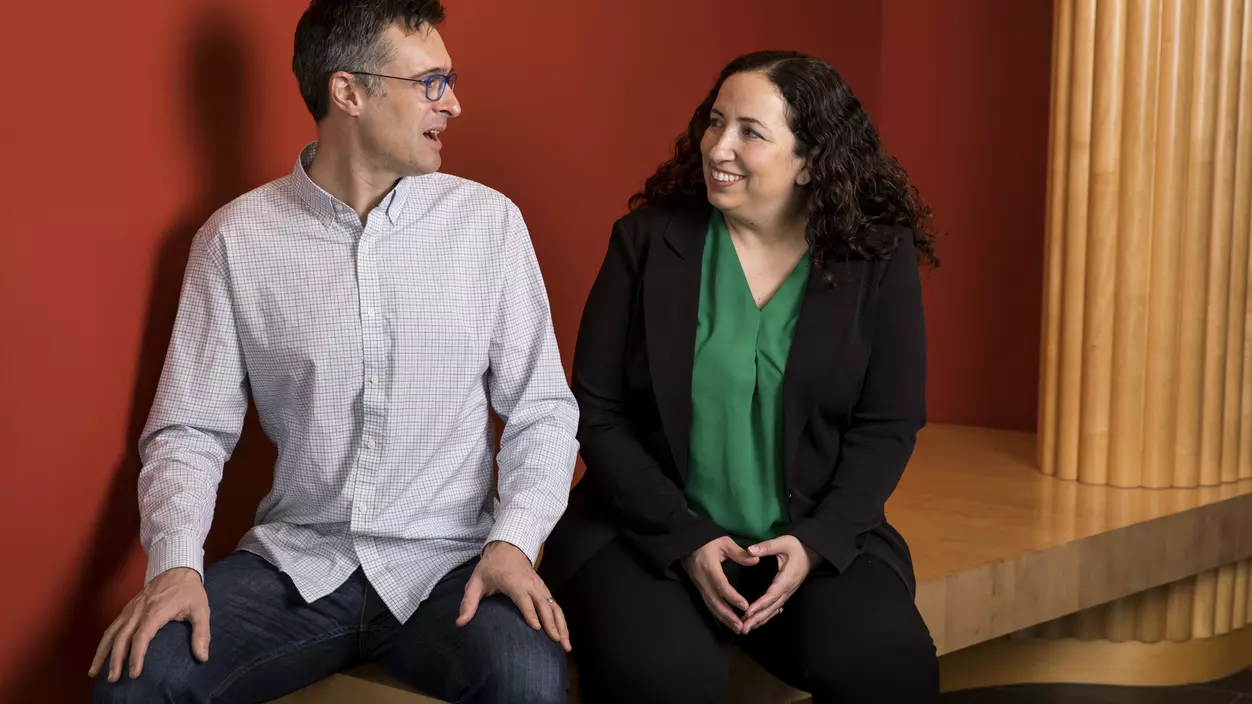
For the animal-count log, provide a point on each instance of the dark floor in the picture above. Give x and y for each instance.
(1236, 688)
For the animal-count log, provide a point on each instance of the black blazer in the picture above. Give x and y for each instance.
(853, 401)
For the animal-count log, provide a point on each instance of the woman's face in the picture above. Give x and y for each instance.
(750, 165)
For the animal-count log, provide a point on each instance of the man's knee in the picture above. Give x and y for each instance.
(168, 673)
(519, 664)
(150, 686)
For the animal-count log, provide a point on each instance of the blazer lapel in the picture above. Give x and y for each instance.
(827, 319)
(671, 300)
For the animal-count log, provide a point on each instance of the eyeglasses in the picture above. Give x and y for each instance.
(438, 82)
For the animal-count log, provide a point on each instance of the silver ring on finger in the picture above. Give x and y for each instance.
(550, 600)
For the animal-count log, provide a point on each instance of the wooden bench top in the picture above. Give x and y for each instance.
(997, 547)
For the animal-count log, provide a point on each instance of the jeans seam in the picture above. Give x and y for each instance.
(361, 629)
(249, 667)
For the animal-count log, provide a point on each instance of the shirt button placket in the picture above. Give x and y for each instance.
(374, 349)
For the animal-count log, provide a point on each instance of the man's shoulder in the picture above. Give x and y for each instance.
(474, 198)
(252, 211)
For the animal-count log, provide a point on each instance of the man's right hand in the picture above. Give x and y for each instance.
(173, 595)
(704, 566)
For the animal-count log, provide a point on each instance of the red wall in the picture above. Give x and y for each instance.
(964, 106)
(129, 123)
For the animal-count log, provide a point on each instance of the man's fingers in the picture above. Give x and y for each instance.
(527, 606)
(469, 602)
(144, 633)
(561, 626)
(106, 643)
(544, 609)
(200, 635)
(121, 644)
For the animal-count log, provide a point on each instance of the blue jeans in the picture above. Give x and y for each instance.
(268, 642)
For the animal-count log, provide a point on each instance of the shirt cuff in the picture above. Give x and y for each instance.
(519, 529)
(176, 550)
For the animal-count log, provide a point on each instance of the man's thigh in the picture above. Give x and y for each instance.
(265, 641)
(497, 657)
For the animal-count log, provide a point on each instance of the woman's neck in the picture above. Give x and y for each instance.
(785, 230)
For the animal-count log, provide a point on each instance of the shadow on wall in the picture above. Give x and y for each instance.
(216, 73)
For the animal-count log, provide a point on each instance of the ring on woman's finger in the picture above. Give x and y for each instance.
(550, 600)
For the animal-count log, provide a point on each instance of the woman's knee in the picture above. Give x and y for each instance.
(889, 664)
(662, 673)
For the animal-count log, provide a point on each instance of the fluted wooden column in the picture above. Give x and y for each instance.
(1146, 375)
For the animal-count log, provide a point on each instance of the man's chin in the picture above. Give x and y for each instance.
(424, 167)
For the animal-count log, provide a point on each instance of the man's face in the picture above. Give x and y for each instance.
(400, 127)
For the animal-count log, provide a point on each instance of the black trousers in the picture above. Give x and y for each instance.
(851, 637)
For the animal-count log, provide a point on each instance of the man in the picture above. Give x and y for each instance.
(372, 307)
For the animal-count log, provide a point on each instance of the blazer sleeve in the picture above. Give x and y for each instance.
(882, 431)
(650, 506)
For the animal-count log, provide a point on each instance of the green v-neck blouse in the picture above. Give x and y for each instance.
(734, 463)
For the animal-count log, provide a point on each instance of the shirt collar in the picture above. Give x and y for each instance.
(326, 207)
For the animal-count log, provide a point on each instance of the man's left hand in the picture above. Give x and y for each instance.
(795, 561)
(504, 569)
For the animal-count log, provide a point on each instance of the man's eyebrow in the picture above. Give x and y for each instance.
(432, 71)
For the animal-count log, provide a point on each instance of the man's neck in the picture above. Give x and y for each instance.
(349, 176)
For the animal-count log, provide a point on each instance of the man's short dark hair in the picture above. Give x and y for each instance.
(346, 35)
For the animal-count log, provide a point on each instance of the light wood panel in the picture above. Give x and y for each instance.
(999, 547)
(1009, 661)
(1146, 263)
(1214, 602)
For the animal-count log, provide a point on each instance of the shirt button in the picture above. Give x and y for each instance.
(374, 380)
(370, 312)
(369, 442)
(327, 221)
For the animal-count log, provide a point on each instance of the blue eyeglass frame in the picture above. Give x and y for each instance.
(445, 81)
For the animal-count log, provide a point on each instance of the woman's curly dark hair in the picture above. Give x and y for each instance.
(855, 183)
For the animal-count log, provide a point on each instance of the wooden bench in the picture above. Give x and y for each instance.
(997, 548)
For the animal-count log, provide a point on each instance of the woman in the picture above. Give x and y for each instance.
(751, 376)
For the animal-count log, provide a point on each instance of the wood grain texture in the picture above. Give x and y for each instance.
(1147, 258)
(999, 547)
(1013, 661)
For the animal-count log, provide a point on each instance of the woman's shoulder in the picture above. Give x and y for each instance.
(642, 226)
(885, 241)
(656, 218)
